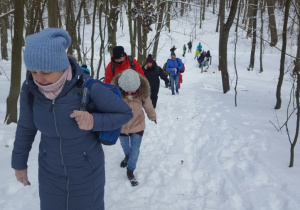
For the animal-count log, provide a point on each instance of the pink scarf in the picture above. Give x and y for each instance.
(53, 90)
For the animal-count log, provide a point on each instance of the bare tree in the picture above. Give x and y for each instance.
(223, 41)
(3, 29)
(159, 28)
(272, 22)
(52, 13)
(283, 51)
(112, 21)
(16, 64)
(254, 26)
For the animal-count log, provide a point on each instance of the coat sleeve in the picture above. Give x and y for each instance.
(108, 74)
(138, 67)
(26, 131)
(113, 112)
(162, 75)
(149, 109)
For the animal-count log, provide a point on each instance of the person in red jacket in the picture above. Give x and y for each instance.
(120, 61)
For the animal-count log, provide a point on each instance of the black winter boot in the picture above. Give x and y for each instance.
(124, 162)
(131, 178)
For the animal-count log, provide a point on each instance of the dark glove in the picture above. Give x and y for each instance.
(155, 121)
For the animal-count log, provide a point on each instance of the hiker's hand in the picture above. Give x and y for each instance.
(84, 119)
(21, 176)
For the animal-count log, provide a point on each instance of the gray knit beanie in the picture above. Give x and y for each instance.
(129, 80)
(46, 50)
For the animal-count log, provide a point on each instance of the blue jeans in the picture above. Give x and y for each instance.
(131, 147)
(174, 79)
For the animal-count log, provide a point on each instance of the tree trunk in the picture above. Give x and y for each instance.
(92, 38)
(254, 25)
(203, 9)
(101, 8)
(250, 15)
(130, 28)
(282, 59)
(16, 64)
(112, 21)
(52, 14)
(3, 31)
(262, 11)
(159, 28)
(272, 22)
(223, 40)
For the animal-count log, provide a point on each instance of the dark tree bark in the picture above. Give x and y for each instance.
(254, 26)
(3, 30)
(159, 28)
(52, 13)
(272, 22)
(16, 64)
(282, 59)
(223, 41)
(112, 21)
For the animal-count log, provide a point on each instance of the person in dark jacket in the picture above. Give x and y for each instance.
(153, 72)
(71, 159)
(190, 45)
(172, 50)
(173, 66)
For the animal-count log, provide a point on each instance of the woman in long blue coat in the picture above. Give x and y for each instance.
(71, 159)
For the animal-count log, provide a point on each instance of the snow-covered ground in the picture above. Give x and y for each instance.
(204, 153)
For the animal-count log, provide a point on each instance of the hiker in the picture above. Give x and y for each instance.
(201, 59)
(199, 47)
(172, 50)
(71, 159)
(197, 53)
(120, 61)
(135, 91)
(184, 50)
(190, 46)
(153, 72)
(173, 66)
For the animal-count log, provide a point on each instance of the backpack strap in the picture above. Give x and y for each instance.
(86, 89)
(132, 66)
(113, 68)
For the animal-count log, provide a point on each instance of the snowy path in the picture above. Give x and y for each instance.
(196, 159)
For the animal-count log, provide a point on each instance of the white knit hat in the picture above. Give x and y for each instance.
(129, 80)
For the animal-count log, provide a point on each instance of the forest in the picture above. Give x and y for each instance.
(255, 17)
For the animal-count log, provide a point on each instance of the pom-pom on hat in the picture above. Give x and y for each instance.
(149, 59)
(46, 50)
(129, 80)
(118, 52)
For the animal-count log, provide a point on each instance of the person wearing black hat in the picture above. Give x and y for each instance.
(153, 72)
(120, 61)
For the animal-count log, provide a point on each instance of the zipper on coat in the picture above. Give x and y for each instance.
(61, 154)
(87, 158)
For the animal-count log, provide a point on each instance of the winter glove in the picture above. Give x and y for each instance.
(84, 119)
(21, 176)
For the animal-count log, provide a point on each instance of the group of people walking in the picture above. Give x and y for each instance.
(71, 159)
